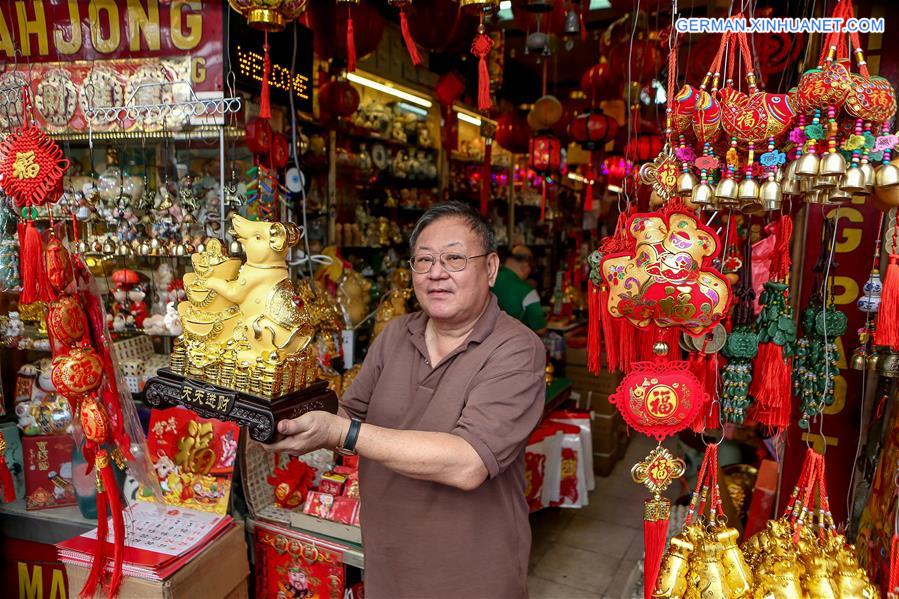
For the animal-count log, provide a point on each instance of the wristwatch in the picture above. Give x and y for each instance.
(349, 443)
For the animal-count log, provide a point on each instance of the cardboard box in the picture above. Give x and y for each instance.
(48, 471)
(219, 572)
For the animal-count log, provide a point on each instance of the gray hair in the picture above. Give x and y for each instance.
(478, 225)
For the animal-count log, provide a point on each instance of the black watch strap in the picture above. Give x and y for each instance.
(352, 435)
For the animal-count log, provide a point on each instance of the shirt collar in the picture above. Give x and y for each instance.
(482, 328)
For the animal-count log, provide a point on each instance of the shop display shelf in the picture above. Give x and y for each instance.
(42, 526)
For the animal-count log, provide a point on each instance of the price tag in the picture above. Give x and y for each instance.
(707, 163)
(348, 342)
(773, 158)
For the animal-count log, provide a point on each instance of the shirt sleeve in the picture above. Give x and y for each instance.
(506, 404)
(533, 312)
(355, 399)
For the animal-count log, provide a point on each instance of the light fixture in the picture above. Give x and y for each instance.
(467, 118)
(613, 188)
(581, 178)
(413, 109)
(388, 89)
(505, 5)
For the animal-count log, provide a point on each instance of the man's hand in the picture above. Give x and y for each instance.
(311, 431)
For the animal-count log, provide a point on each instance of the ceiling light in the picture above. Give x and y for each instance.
(614, 189)
(467, 118)
(389, 89)
(413, 109)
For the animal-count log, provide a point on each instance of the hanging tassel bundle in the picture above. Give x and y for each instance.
(350, 42)
(402, 6)
(594, 328)
(893, 584)
(31, 251)
(265, 107)
(481, 47)
(887, 332)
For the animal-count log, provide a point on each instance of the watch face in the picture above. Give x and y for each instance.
(56, 99)
(101, 88)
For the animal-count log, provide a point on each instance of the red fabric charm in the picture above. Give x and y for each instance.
(31, 166)
(659, 399)
(265, 107)
(407, 37)
(481, 47)
(58, 267)
(291, 483)
(668, 279)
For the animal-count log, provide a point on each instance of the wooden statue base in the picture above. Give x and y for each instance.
(259, 414)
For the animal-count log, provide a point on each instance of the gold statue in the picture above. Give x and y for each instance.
(395, 303)
(247, 326)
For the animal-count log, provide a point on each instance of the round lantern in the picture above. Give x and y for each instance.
(598, 83)
(546, 112)
(259, 136)
(422, 16)
(328, 20)
(645, 60)
(644, 148)
(545, 153)
(512, 132)
(338, 98)
(593, 129)
(269, 15)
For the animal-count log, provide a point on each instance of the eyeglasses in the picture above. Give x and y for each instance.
(450, 261)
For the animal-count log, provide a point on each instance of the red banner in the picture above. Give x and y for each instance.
(856, 231)
(97, 30)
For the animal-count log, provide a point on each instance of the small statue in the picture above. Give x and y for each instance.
(394, 304)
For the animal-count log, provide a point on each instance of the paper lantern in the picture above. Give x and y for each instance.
(593, 129)
(269, 15)
(668, 280)
(598, 83)
(259, 136)
(328, 21)
(512, 132)
(338, 98)
(644, 148)
(545, 154)
(546, 112)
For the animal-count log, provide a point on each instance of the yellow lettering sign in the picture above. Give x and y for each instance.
(143, 24)
(110, 44)
(845, 290)
(72, 45)
(29, 27)
(839, 396)
(5, 38)
(198, 69)
(186, 25)
(31, 587)
(57, 585)
(851, 236)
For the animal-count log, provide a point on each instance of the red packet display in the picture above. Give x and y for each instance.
(318, 504)
(344, 510)
(572, 479)
(351, 489)
(580, 419)
(534, 472)
(332, 483)
(288, 566)
(193, 458)
(48, 471)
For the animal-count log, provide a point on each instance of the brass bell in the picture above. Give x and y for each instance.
(790, 172)
(234, 248)
(108, 247)
(887, 365)
(179, 250)
(144, 249)
(859, 359)
(838, 195)
(123, 250)
(813, 196)
(748, 190)
(868, 170)
(825, 183)
(685, 184)
(791, 186)
(807, 165)
(702, 195)
(853, 181)
(886, 175)
(81, 247)
(832, 165)
(726, 192)
(201, 248)
(771, 196)
(871, 361)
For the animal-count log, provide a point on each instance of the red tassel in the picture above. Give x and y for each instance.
(655, 533)
(607, 322)
(588, 195)
(98, 565)
(350, 43)
(594, 332)
(580, 18)
(771, 387)
(893, 587)
(265, 107)
(31, 250)
(627, 342)
(481, 47)
(118, 526)
(485, 176)
(543, 203)
(407, 37)
(887, 332)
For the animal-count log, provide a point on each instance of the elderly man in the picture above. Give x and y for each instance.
(440, 415)
(515, 295)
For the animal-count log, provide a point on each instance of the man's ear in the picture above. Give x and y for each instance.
(492, 267)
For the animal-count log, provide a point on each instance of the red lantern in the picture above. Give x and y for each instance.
(645, 60)
(593, 129)
(338, 99)
(449, 88)
(644, 148)
(598, 83)
(545, 153)
(328, 20)
(512, 132)
(259, 136)
(423, 14)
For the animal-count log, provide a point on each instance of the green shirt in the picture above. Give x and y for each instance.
(518, 299)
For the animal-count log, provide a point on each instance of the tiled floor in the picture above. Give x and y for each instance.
(591, 552)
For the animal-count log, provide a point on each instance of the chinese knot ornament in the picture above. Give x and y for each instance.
(668, 279)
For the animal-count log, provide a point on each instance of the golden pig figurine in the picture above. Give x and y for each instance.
(779, 578)
(818, 580)
(737, 573)
(706, 579)
(672, 579)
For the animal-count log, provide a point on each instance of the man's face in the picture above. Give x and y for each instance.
(453, 297)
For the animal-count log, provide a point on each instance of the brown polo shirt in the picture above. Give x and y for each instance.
(425, 539)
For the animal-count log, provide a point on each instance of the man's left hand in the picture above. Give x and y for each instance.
(311, 431)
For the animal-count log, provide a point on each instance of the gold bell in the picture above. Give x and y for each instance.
(702, 195)
(771, 195)
(144, 249)
(726, 192)
(807, 165)
(886, 175)
(234, 248)
(791, 186)
(859, 359)
(887, 365)
(748, 190)
(825, 183)
(813, 196)
(838, 195)
(853, 181)
(832, 165)
(868, 171)
(108, 247)
(685, 184)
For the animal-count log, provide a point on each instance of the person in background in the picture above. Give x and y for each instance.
(516, 297)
